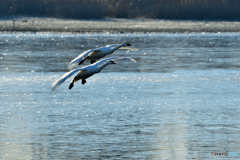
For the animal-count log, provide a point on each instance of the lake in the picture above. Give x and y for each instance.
(179, 101)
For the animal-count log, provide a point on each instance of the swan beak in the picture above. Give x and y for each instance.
(128, 44)
(113, 62)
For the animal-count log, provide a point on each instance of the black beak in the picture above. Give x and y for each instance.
(129, 44)
(113, 62)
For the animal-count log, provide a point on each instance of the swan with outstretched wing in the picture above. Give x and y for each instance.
(86, 72)
(95, 54)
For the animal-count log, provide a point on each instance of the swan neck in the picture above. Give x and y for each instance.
(119, 46)
(104, 65)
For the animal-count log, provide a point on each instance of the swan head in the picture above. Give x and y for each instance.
(112, 62)
(126, 44)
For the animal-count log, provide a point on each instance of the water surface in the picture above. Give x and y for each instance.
(180, 101)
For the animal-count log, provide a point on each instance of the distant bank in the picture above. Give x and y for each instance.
(113, 25)
(98, 9)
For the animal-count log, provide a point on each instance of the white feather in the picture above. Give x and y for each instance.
(67, 75)
(102, 52)
(106, 60)
(90, 69)
(78, 59)
(129, 48)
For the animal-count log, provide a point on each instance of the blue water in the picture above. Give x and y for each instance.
(180, 101)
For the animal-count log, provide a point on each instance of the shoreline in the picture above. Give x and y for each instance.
(114, 25)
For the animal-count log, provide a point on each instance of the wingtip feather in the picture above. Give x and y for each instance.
(133, 60)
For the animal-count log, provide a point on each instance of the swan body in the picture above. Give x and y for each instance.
(95, 54)
(86, 72)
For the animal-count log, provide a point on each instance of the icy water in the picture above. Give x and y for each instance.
(180, 101)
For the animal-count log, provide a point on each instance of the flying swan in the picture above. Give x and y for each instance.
(95, 54)
(86, 72)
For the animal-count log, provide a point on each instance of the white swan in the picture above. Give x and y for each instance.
(86, 72)
(95, 54)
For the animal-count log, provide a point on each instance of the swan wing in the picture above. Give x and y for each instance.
(94, 53)
(112, 45)
(78, 59)
(120, 58)
(129, 48)
(67, 75)
(104, 61)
